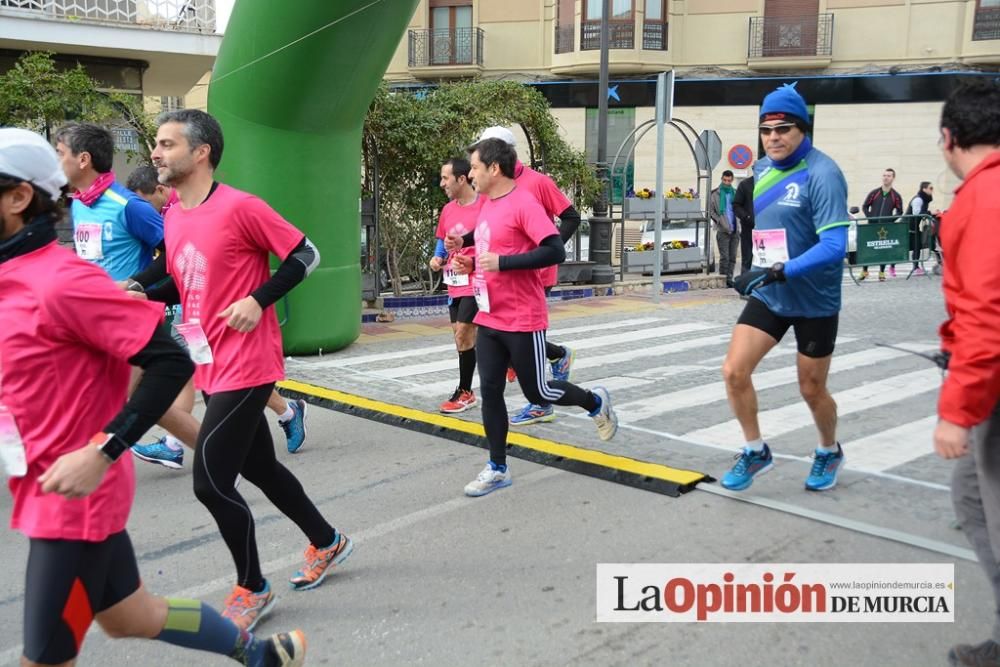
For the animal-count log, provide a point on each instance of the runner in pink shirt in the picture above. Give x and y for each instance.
(556, 205)
(67, 337)
(514, 238)
(217, 250)
(181, 426)
(459, 216)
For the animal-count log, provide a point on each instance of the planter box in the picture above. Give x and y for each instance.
(683, 259)
(672, 208)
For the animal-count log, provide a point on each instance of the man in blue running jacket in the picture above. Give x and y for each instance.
(799, 241)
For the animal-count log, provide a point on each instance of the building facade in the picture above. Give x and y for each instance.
(158, 49)
(875, 72)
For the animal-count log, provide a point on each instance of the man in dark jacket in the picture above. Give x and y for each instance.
(883, 202)
(743, 208)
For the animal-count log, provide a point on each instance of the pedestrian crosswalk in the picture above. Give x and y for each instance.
(665, 377)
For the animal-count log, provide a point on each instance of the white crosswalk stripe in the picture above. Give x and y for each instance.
(791, 417)
(666, 378)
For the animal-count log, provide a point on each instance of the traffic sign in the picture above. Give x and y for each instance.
(740, 156)
(709, 138)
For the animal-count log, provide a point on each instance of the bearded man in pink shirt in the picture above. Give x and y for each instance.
(217, 252)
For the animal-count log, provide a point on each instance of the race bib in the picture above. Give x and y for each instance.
(453, 279)
(88, 241)
(481, 293)
(197, 342)
(769, 246)
(15, 463)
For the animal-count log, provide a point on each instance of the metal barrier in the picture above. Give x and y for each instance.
(893, 240)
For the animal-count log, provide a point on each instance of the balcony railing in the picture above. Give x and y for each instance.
(986, 24)
(183, 15)
(453, 46)
(654, 36)
(564, 38)
(791, 36)
(621, 35)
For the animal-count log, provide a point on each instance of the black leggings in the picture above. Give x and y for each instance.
(234, 438)
(524, 351)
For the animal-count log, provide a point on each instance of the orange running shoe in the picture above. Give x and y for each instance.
(245, 608)
(460, 401)
(511, 375)
(319, 563)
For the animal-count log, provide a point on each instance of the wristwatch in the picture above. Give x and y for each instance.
(109, 445)
(779, 271)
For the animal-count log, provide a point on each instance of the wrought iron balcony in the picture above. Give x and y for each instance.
(790, 36)
(986, 25)
(654, 36)
(454, 46)
(182, 15)
(564, 38)
(621, 35)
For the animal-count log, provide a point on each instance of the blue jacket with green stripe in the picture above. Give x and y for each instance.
(130, 230)
(803, 200)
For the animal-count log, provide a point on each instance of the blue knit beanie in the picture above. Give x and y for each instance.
(785, 103)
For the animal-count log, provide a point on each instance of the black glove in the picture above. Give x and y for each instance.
(750, 280)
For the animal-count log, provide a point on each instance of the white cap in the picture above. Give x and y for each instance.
(501, 133)
(27, 156)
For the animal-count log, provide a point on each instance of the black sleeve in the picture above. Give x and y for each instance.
(469, 240)
(155, 272)
(569, 222)
(866, 208)
(166, 368)
(290, 273)
(549, 252)
(165, 292)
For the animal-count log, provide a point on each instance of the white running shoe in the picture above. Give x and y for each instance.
(606, 419)
(489, 480)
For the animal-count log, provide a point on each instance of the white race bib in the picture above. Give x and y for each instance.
(769, 246)
(197, 341)
(88, 240)
(481, 293)
(15, 463)
(453, 279)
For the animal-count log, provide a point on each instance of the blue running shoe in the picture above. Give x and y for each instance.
(158, 452)
(295, 428)
(533, 414)
(561, 368)
(748, 465)
(824, 471)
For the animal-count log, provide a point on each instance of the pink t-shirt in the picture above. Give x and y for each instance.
(552, 200)
(66, 332)
(458, 219)
(217, 253)
(510, 225)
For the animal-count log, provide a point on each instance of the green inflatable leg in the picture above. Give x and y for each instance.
(291, 86)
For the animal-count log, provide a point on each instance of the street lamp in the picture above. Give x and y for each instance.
(600, 223)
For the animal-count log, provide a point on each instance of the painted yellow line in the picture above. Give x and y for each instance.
(622, 463)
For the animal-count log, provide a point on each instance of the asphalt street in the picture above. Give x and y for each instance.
(509, 579)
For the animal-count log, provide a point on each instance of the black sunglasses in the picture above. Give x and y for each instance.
(782, 129)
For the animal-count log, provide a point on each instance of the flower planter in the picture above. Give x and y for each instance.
(672, 207)
(682, 259)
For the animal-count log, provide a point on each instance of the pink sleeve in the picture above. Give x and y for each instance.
(535, 222)
(551, 197)
(88, 307)
(266, 229)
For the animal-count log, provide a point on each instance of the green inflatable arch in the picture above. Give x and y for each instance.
(291, 86)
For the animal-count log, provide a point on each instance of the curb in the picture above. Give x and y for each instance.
(437, 304)
(653, 477)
